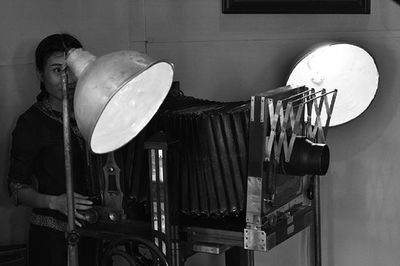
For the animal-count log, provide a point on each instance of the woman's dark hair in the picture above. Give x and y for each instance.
(47, 47)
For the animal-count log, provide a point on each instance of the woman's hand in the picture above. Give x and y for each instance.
(82, 203)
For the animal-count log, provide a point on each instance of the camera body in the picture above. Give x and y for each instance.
(107, 205)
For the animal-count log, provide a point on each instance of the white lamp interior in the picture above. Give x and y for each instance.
(131, 108)
(345, 67)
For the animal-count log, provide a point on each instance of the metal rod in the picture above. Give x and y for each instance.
(299, 94)
(317, 221)
(304, 94)
(72, 247)
(328, 119)
(312, 99)
(315, 96)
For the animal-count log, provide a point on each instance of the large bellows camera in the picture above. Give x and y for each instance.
(238, 170)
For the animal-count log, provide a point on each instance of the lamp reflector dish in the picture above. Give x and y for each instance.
(131, 108)
(345, 67)
(116, 95)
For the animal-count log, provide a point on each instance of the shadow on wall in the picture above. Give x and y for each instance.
(19, 88)
(339, 193)
(354, 163)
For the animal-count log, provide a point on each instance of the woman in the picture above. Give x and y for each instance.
(37, 172)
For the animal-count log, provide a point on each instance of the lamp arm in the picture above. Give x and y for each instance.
(78, 60)
(72, 236)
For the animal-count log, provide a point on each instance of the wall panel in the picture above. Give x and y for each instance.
(230, 57)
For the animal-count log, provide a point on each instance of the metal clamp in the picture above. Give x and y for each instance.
(255, 239)
(72, 238)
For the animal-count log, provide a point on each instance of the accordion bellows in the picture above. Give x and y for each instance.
(209, 162)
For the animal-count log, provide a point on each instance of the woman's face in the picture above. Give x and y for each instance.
(52, 78)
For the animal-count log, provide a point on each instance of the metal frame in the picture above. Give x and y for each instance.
(165, 233)
(296, 7)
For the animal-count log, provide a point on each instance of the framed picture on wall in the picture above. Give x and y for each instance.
(296, 6)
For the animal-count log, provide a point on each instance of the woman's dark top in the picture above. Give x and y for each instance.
(37, 159)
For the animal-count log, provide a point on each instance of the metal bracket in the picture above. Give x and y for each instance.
(255, 239)
(113, 195)
(254, 202)
(209, 248)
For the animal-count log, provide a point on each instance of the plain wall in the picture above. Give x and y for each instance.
(230, 57)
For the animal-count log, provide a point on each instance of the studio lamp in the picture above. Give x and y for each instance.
(351, 71)
(115, 97)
